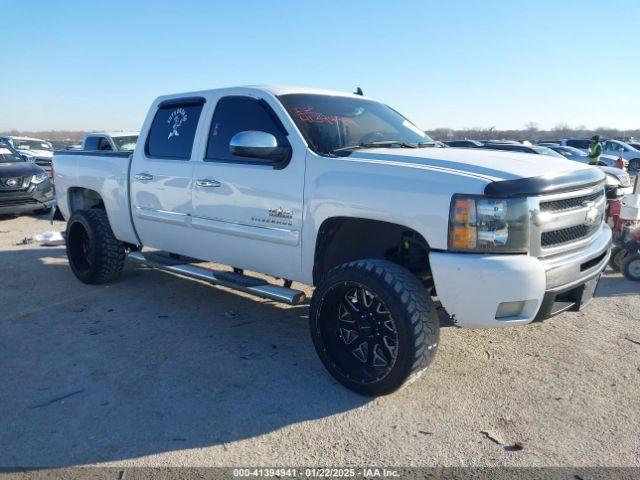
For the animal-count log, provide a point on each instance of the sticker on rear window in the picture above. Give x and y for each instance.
(177, 118)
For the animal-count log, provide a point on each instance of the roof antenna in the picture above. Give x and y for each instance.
(358, 91)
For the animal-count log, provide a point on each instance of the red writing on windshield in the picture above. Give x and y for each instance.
(308, 115)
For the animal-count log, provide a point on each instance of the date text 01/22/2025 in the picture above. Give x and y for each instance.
(316, 472)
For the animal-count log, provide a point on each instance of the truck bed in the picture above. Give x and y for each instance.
(79, 173)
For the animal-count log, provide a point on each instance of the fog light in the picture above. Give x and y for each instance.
(509, 309)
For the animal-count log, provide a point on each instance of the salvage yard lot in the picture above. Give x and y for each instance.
(157, 370)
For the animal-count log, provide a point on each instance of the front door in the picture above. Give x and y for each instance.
(161, 176)
(247, 212)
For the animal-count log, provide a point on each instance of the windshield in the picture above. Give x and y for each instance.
(546, 151)
(571, 151)
(31, 145)
(6, 155)
(331, 122)
(125, 143)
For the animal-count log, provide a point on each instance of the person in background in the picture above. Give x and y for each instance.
(595, 150)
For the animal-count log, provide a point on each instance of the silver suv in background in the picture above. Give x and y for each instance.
(612, 150)
(617, 182)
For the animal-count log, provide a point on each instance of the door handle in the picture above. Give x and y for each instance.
(143, 177)
(206, 183)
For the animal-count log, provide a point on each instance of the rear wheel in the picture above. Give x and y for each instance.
(94, 254)
(631, 267)
(373, 325)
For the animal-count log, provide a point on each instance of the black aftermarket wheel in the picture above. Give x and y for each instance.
(94, 254)
(373, 325)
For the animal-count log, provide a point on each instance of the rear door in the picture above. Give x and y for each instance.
(161, 175)
(247, 212)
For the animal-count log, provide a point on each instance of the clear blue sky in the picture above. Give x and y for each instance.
(97, 65)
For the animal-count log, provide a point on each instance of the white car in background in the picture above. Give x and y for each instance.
(610, 159)
(33, 149)
(624, 150)
(111, 141)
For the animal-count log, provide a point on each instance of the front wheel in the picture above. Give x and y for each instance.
(631, 267)
(373, 325)
(94, 253)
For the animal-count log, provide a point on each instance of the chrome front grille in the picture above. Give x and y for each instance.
(567, 235)
(569, 203)
(567, 221)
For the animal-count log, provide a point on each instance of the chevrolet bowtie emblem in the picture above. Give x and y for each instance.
(592, 215)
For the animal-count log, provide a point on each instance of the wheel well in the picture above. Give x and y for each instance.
(84, 199)
(341, 240)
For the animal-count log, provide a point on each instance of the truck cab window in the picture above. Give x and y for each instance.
(239, 114)
(91, 143)
(172, 132)
(104, 145)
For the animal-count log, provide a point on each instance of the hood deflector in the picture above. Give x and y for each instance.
(532, 186)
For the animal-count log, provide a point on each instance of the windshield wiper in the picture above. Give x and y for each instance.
(385, 143)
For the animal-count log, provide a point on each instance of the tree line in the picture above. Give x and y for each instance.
(531, 132)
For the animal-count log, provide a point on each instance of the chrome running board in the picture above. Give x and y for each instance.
(236, 281)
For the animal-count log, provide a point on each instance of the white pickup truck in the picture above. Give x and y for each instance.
(343, 193)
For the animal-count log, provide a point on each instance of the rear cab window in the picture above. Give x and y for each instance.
(91, 143)
(173, 129)
(104, 145)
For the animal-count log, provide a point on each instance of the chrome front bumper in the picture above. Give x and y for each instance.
(471, 287)
(572, 268)
(571, 279)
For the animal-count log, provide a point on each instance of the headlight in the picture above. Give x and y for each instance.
(483, 224)
(611, 180)
(39, 178)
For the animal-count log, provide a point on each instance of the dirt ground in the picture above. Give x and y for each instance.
(157, 370)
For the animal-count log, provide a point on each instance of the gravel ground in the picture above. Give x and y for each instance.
(156, 370)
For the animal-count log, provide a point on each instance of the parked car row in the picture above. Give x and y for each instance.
(24, 185)
(613, 149)
(26, 170)
(34, 150)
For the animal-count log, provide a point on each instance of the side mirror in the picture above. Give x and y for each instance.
(255, 144)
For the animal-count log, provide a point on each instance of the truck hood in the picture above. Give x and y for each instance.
(491, 165)
(19, 169)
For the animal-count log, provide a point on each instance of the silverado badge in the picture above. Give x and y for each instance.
(280, 213)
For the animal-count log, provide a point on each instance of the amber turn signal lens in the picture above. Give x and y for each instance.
(464, 237)
(464, 211)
